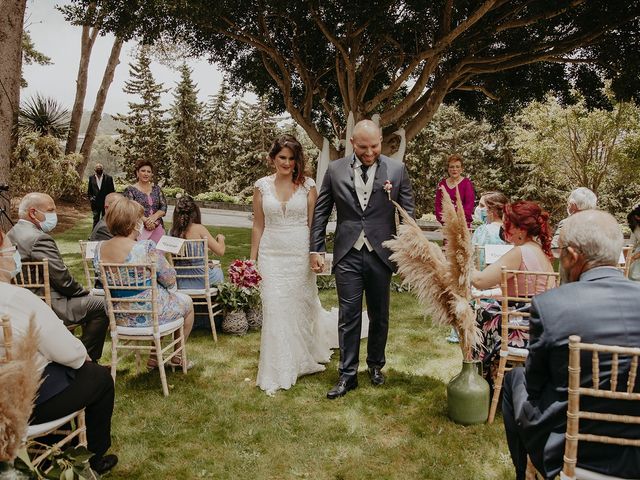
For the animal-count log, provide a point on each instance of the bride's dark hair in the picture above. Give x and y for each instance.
(185, 213)
(289, 141)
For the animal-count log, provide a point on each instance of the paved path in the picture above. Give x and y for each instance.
(233, 218)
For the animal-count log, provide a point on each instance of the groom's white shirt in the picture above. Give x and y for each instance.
(363, 191)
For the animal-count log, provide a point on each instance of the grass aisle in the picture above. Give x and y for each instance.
(216, 424)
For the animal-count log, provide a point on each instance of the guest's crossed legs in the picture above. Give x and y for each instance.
(361, 272)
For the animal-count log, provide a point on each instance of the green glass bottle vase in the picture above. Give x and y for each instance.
(468, 396)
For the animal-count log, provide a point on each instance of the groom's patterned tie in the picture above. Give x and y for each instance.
(364, 169)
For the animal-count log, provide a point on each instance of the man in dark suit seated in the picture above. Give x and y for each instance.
(100, 185)
(599, 304)
(69, 300)
(100, 230)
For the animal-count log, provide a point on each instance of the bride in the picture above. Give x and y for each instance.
(297, 333)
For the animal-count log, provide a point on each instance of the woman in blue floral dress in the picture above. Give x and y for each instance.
(124, 220)
(150, 196)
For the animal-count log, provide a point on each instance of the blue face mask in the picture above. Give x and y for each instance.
(17, 260)
(50, 221)
(481, 214)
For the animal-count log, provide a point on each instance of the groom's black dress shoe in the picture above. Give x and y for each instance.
(377, 378)
(342, 387)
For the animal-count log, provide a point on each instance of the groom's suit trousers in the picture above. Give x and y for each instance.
(357, 273)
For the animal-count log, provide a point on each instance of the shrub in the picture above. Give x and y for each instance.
(171, 192)
(218, 197)
(39, 165)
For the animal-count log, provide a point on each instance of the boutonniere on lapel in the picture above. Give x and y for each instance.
(387, 187)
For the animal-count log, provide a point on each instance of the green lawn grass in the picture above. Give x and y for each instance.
(217, 424)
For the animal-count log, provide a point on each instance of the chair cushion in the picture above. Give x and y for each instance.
(147, 331)
(519, 352)
(97, 292)
(40, 429)
(198, 291)
(582, 474)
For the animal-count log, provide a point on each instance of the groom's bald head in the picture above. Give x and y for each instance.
(367, 141)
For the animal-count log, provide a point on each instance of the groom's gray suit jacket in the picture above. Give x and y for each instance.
(377, 219)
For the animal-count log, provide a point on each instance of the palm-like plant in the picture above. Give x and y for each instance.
(44, 116)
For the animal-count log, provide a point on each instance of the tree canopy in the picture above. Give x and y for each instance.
(321, 59)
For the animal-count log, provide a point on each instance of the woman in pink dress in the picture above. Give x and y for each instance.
(465, 187)
(150, 196)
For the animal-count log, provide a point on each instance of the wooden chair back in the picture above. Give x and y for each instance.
(631, 258)
(193, 255)
(90, 274)
(515, 303)
(35, 277)
(122, 283)
(621, 359)
(7, 339)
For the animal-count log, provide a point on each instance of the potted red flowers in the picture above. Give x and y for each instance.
(239, 295)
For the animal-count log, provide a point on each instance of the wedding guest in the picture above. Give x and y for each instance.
(100, 185)
(465, 187)
(69, 299)
(70, 380)
(124, 220)
(579, 199)
(150, 196)
(526, 227)
(596, 302)
(187, 224)
(100, 230)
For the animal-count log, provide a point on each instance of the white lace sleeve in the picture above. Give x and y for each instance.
(309, 183)
(261, 184)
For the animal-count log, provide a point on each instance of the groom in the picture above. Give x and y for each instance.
(366, 218)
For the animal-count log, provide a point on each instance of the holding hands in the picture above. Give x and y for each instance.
(317, 262)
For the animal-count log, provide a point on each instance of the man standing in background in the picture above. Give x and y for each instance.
(100, 185)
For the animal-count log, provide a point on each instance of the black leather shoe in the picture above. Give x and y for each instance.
(342, 387)
(377, 378)
(102, 465)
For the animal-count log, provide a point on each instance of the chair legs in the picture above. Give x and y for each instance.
(114, 356)
(212, 319)
(163, 373)
(497, 389)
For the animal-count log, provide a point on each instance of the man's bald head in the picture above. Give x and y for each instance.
(367, 141)
(112, 198)
(35, 200)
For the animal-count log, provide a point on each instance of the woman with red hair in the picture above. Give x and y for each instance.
(526, 227)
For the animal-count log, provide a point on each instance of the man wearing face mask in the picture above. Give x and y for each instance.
(100, 185)
(599, 304)
(69, 299)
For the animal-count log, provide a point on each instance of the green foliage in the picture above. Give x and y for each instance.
(218, 197)
(565, 147)
(31, 55)
(39, 165)
(144, 131)
(231, 298)
(172, 192)
(44, 116)
(186, 145)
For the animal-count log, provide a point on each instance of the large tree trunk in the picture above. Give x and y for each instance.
(89, 35)
(11, 24)
(101, 97)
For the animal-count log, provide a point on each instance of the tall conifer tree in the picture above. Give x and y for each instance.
(186, 147)
(145, 129)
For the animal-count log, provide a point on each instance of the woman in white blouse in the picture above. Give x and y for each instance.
(71, 381)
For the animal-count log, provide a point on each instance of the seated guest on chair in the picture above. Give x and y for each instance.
(579, 199)
(596, 302)
(71, 381)
(125, 222)
(100, 230)
(187, 224)
(526, 227)
(70, 301)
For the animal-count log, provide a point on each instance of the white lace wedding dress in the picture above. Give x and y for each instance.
(297, 333)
